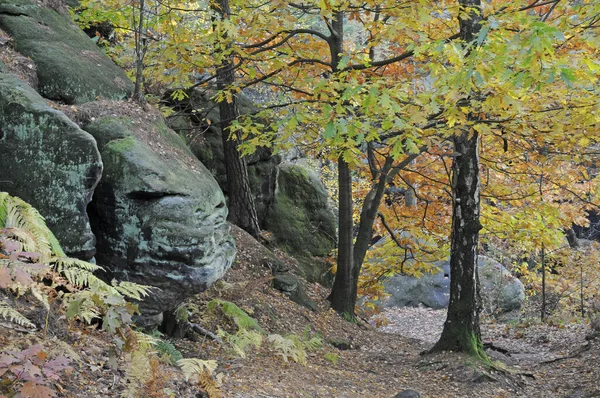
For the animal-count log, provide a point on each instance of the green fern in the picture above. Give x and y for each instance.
(24, 222)
(295, 347)
(236, 314)
(62, 264)
(132, 290)
(168, 352)
(137, 373)
(242, 341)
(288, 348)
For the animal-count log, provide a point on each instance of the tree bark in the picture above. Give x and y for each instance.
(343, 293)
(242, 211)
(461, 330)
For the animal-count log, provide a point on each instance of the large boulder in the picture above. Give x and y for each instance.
(158, 214)
(70, 66)
(48, 161)
(500, 291)
(302, 220)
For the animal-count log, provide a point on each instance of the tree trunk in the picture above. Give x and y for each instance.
(461, 330)
(140, 53)
(242, 211)
(343, 294)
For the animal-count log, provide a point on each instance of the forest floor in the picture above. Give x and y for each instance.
(531, 359)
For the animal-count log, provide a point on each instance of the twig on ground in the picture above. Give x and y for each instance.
(204, 332)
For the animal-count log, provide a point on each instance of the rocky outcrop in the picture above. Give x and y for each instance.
(290, 199)
(47, 160)
(302, 220)
(70, 67)
(500, 290)
(158, 214)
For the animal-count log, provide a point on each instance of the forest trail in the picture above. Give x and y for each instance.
(550, 360)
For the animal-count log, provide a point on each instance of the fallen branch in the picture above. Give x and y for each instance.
(578, 352)
(204, 332)
(491, 346)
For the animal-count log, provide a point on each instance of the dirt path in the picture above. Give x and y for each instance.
(553, 360)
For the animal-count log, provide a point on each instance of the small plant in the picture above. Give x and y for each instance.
(295, 347)
(201, 372)
(168, 352)
(241, 319)
(29, 253)
(33, 263)
(242, 341)
(332, 357)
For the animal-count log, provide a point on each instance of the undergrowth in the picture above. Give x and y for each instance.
(34, 267)
(249, 335)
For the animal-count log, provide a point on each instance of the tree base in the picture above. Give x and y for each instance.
(462, 340)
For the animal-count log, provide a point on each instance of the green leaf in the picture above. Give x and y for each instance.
(330, 130)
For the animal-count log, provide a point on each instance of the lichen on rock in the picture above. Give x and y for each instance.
(48, 161)
(158, 214)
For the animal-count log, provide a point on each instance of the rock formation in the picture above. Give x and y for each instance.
(157, 212)
(500, 290)
(48, 161)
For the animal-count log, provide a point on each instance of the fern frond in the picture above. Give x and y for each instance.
(24, 237)
(236, 314)
(21, 215)
(84, 278)
(146, 341)
(288, 348)
(168, 352)
(15, 316)
(192, 367)
(314, 343)
(132, 290)
(137, 373)
(242, 340)
(63, 263)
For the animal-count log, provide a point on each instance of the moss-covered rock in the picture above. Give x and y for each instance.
(70, 67)
(48, 161)
(302, 220)
(293, 288)
(158, 214)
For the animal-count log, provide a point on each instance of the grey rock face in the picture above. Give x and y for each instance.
(70, 66)
(47, 160)
(290, 199)
(500, 291)
(158, 214)
(292, 287)
(302, 220)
